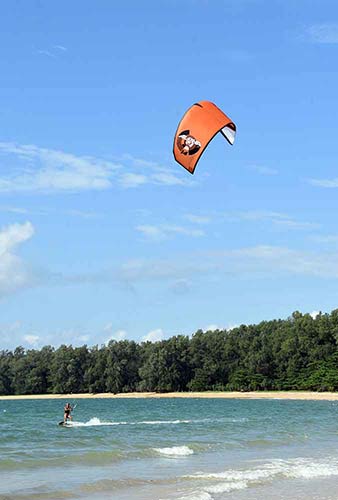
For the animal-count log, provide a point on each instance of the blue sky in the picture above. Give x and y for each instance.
(102, 234)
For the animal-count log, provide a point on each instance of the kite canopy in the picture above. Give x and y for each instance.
(197, 128)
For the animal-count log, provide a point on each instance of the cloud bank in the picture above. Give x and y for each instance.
(40, 170)
(14, 273)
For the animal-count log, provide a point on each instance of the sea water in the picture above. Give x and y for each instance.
(169, 449)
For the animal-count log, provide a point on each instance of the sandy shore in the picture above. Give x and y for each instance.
(317, 396)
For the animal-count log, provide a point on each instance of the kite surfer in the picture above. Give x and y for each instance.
(67, 413)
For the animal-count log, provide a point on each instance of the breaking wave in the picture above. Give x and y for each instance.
(175, 451)
(232, 479)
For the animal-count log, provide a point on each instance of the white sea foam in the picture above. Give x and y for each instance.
(93, 422)
(196, 495)
(96, 422)
(233, 420)
(175, 451)
(159, 422)
(306, 469)
(227, 487)
(267, 471)
(232, 479)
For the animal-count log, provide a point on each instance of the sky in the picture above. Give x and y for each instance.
(102, 234)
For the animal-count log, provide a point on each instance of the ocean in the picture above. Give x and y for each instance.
(169, 449)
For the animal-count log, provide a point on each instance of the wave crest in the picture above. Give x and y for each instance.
(231, 479)
(175, 451)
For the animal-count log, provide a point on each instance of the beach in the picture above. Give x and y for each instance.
(293, 395)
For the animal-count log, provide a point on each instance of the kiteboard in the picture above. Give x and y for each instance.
(65, 424)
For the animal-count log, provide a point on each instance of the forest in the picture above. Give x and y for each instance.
(298, 353)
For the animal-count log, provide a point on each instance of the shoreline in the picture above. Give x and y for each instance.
(293, 395)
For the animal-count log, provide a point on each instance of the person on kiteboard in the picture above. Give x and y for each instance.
(67, 410)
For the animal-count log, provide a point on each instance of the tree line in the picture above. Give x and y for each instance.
(299, 353)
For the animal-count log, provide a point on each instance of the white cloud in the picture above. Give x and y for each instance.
(154, 336)
(314, 314)
(163, 231)
(181, 268)
(47, 170)
(182, 272)
(151, 172)
(68, 336)
(265, 258)
(32, 340)
(17, 333)
(212, 328)
(46, 53)
(130, 180)
(120, 335)
(60, 47)
(150, 231)
(324, 183)
(262, 170)
(13, 235)
(275, 218)
(84, 338)
(197, 219)
(262, 259)
(53, 52)
(34, 169)
(323, 33)
(231, 326)
(139, 162)
(114, 334)
(14, 274)
(178, 274)
(168, 179)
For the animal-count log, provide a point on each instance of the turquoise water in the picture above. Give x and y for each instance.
(164, 449)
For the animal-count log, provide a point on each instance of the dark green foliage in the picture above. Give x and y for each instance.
(68, 369)
(122, 365)
(6, 373)
(166, 365)
(299, 353)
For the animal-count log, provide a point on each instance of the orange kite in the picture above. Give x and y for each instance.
(197, 128)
